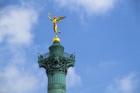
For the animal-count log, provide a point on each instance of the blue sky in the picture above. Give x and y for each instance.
(103, 34)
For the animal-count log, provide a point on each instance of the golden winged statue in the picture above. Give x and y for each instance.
(55, 20)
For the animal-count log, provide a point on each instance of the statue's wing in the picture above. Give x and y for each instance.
(60, 18)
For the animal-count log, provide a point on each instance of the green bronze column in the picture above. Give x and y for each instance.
(56, 63)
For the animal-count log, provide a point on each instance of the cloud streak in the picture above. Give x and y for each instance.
(126, 84)
(73, 79)
(88, 6)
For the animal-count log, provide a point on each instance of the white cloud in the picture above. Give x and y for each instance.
(19, 74)
(16, 25)
(16, 76)
(14, 80)
(89, 6)
(126, 84)
(73, 79)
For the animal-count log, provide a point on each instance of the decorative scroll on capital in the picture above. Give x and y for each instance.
(54, 64)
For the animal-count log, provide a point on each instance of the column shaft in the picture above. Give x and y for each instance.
(57, 83)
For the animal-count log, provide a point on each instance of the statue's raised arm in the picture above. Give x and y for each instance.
(50, 17)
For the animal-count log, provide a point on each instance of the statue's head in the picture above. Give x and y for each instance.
(54, 17)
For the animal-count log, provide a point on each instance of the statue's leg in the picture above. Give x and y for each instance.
(56, 28)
